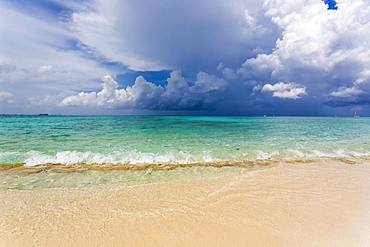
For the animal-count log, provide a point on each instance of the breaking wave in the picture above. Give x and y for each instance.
(68, 158)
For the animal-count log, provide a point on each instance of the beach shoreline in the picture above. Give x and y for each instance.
(326, 204)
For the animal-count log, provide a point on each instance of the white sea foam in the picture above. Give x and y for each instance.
(261, 155)
(34, 158)
(133, 157)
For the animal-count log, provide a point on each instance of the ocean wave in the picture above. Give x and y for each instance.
(35, 158)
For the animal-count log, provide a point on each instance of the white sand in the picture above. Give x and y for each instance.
(325, 204)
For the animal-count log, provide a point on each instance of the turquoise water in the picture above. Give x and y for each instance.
(75, 151)
(33, 140)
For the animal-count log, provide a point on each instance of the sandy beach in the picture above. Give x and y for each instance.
(318, 204)
(205, 123)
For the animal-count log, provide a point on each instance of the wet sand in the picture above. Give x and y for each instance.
(320, 204)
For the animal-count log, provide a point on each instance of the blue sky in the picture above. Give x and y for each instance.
(331, 4)
(248, 57)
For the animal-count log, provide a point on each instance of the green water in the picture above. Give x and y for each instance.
(69, 140)
(96, 150)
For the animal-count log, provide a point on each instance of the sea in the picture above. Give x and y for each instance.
(53, 151)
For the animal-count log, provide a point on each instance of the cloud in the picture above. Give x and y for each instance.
(327, 51)
(348, 96)
(7, 68)
(177, 94)
(46, 68)
(6, 97)
(189, 35)
(297, 46)
(285, 90)
(346, 92)
(37, 55)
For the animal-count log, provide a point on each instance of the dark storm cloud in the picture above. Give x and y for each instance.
(240, 56)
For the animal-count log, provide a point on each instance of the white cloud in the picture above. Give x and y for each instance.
(324, 52)
(319, 48)
(285, 90)
(177, 94)
(46, 68)
(33, 45)
(346, 92)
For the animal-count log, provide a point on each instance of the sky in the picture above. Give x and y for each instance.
(197, 57)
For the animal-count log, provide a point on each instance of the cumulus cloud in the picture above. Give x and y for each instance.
(347, 92)
(297, 46)
(285, 90)
(325, 50)
(176, 94)
(37, 57)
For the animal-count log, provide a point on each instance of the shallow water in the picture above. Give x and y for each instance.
(153, 139)
(79, 150)
(317, 204)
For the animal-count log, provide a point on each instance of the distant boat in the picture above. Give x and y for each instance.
(43, 114)
(355, 115)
